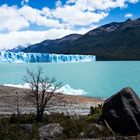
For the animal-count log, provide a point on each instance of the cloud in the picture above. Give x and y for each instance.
(35, 16)
(73, 13)
(62, 20)
(58, 3)
(70, 1)
(21, 18)
(74, 16)
(92, 5)
(24, 2)
(128, 15)
(15, 38)
(11, 19)
(133, 1)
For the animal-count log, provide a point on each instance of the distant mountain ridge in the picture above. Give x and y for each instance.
(17, 49)
(52, 45)
(113, 41)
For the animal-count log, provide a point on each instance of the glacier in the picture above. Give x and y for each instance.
(21, 57)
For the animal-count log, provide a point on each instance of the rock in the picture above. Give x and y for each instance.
(97, 126)
(118, 138)
(26, 127)
(94, 130)
(127, 138)
(82, 134)
(122, 112)
(94, 126)
(50, 132)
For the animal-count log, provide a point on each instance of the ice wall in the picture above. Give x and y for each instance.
(11, 57)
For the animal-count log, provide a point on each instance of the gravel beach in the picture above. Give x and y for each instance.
(71, 104)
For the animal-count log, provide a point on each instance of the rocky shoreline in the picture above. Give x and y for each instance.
(117, 119)
(71, 104)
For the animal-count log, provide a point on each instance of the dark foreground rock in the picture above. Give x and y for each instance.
(122, 112)
(26, 127)
(116, 138)
(50, 132)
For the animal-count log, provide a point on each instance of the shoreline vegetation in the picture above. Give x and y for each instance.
(73, 116)
(81, 118)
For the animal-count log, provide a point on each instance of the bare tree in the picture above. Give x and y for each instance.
(43, 91)
(16, 97)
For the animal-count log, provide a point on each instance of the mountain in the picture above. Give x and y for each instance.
(53, 45)
(19, 48)
(113, 41)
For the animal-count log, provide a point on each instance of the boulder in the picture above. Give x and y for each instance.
(94, 130)
(118, 138)
(50, 132)
(26, 127)
(122, 112)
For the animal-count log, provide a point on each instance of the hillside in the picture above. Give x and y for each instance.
(114, 41)
(53, 45)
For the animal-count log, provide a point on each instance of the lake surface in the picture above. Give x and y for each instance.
(95, 79)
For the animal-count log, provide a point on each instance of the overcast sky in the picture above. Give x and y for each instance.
(30, 21)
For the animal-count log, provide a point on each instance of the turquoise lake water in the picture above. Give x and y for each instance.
(95, 79)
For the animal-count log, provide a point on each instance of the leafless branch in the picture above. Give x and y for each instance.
(43, 91)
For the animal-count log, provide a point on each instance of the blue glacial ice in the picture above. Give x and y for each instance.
(21, 57)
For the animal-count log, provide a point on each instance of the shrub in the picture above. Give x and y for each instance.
(96, 110)
(22, 119)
